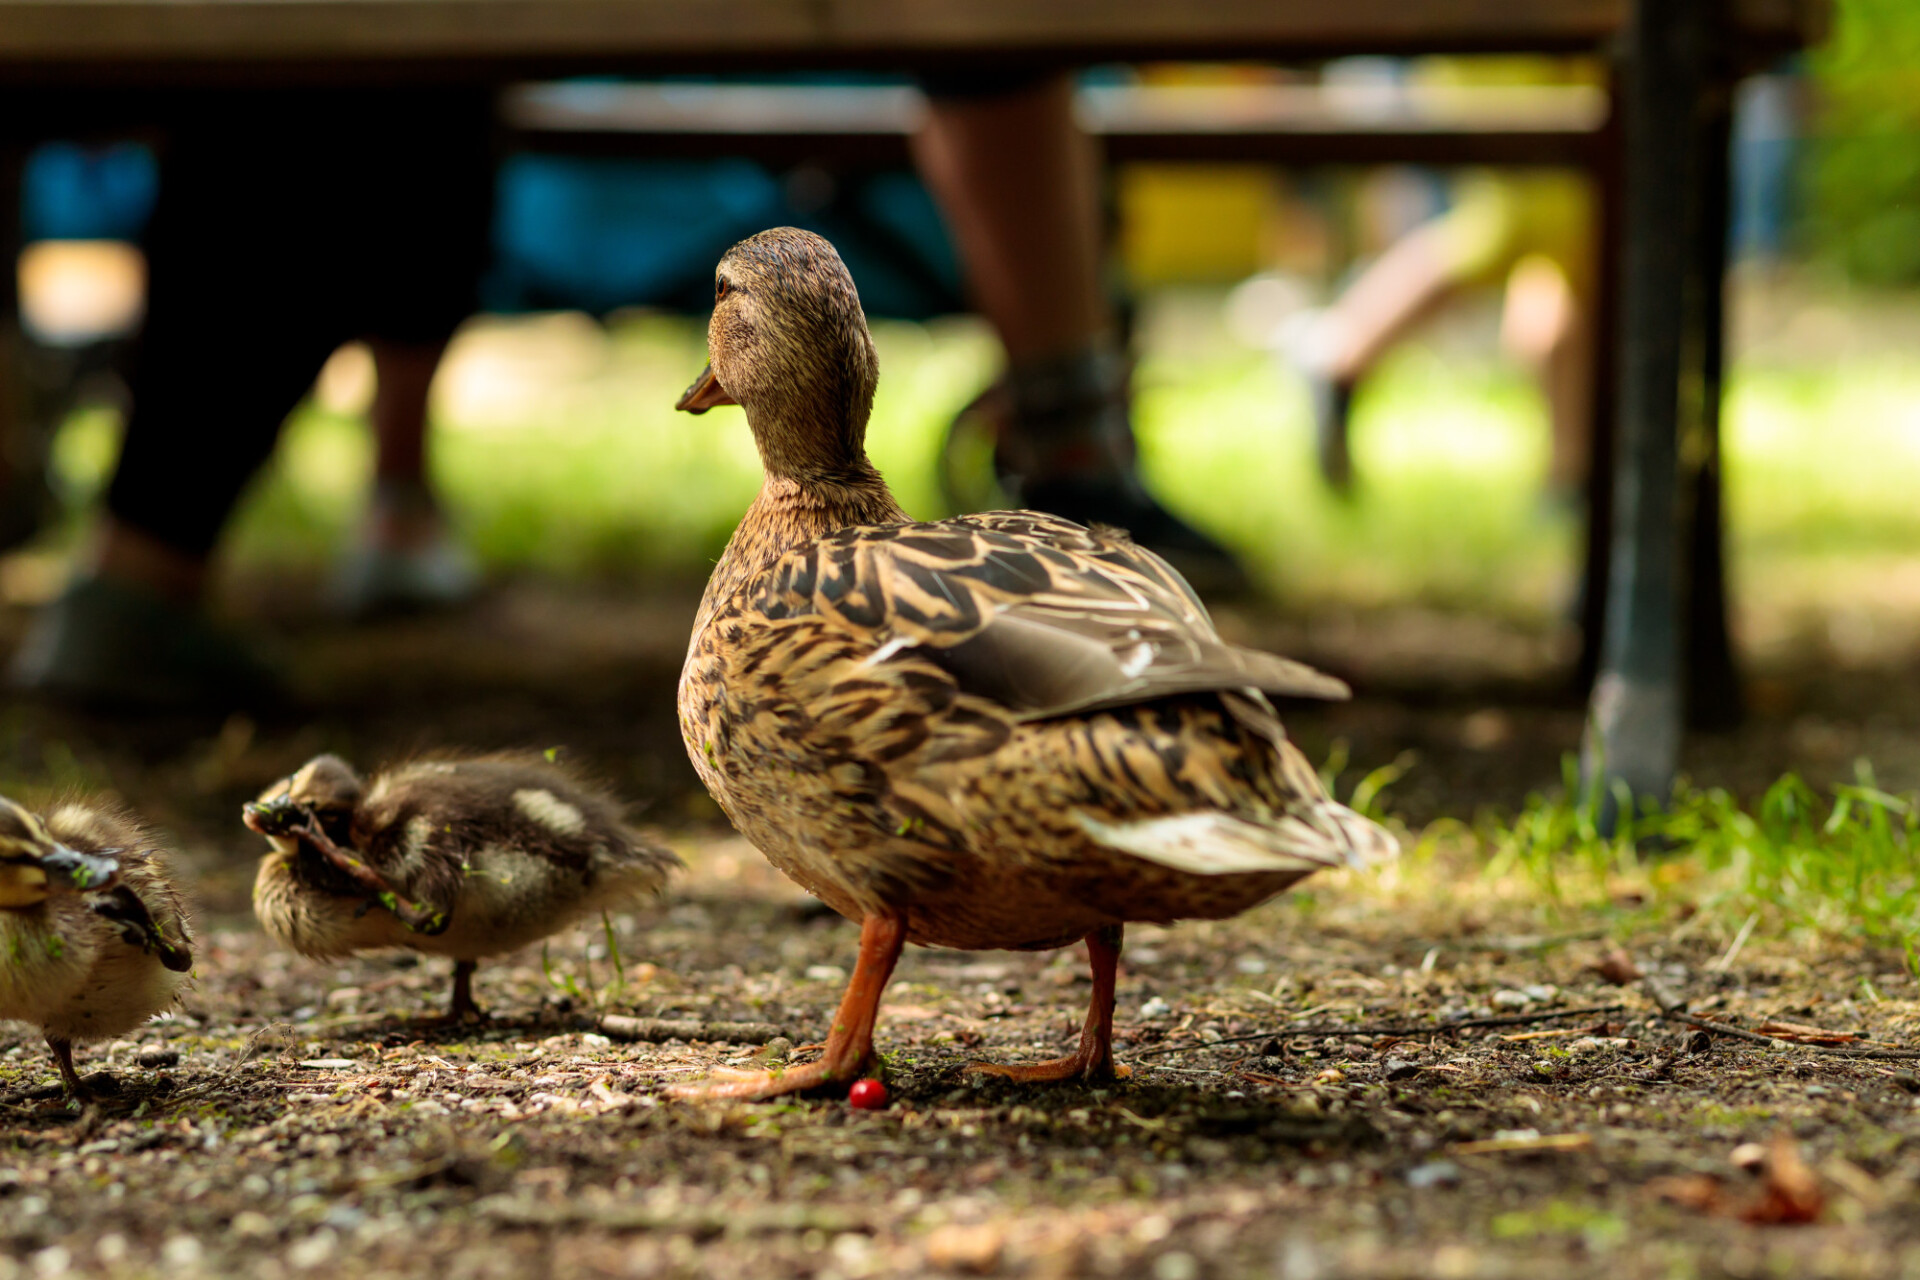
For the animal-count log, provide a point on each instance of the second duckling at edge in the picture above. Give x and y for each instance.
(93, 936)
(465, 858)
(999, 730)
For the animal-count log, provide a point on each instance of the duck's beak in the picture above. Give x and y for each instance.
(705, 393)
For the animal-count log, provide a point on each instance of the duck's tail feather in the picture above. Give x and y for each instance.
(1314, 835)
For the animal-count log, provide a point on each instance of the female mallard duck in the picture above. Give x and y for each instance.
(1000, 730)
(93, 936)
(462, 858)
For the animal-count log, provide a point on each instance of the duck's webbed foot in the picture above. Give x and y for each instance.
(1093, 1060)
(850, 1043)
(100, 1085)
(463, 1007)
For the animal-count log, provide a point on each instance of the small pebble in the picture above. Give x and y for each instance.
(1699, 1042)
(155, 1056)
(1434, 1173)
(1155, 1007)
(1176, 1266)
(1400, 1068)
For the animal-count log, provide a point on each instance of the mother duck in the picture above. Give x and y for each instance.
(997, 731)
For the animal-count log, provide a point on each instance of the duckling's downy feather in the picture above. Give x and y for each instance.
(501, 850)
(86, 964)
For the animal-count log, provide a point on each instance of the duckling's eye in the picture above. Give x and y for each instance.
(721, 288)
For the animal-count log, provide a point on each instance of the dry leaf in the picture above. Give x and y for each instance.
(1523, 1142)
(954, 1247)
(1700, 1192)
(1789, 1191)
(1804, 1034)
(1617, 967)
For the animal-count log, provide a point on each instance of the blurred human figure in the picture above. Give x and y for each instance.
(1018, 181)
(1529, 232)
(286, 224)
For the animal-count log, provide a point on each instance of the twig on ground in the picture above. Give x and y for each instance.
(1736, 1033)
(622, 1027)
(1441, 1028)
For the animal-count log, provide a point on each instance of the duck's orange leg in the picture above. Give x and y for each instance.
(849, 1044)
(1093, 1060)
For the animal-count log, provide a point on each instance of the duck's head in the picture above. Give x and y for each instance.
(789, 344)
(325, 790)
(34, 866)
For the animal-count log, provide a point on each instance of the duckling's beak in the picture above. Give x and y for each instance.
(23, 884)
(82, 872)
(274, 817)
(705, 393)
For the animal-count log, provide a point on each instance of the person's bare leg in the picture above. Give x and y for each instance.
(850, 1042)
(1401, 287)
(1544, 323)
(1019, 183)
(1093, 1059)
(406, 559)
(403, 515)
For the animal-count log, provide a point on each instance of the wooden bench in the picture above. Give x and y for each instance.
(1655, 620)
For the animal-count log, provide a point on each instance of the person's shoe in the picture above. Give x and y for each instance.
(1073, 457)
(1124, 503)
(1332, 404)
(406, 561)
(108, 646)
(375, 581)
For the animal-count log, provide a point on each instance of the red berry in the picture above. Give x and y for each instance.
(867, 1095)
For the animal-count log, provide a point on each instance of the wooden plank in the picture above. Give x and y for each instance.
(869, 125)
(42, 36)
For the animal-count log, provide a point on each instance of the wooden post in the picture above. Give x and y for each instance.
(1633, 735)
(1712, 679)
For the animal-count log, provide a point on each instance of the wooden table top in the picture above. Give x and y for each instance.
(191, 41)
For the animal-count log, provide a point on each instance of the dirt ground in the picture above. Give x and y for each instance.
(298, 1118)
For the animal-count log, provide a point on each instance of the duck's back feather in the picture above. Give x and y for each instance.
(1037, 614)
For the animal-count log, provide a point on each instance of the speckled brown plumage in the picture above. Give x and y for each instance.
(94, 938)
(1000, 730)
(465, 858)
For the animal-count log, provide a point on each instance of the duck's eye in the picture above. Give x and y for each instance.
(721, 288)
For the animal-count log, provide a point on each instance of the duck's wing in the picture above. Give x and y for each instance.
(1037, 614)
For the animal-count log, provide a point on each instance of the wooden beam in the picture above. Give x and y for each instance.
(41, 39)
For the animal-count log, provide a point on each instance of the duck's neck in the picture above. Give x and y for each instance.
(789, 513)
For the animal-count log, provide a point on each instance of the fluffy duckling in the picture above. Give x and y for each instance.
(462, 858)
(999, 730)
(94, 938)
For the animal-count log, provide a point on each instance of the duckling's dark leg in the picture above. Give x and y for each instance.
(849, 1044)
(63, 1058)
(463, 1008)
(1093, 1060)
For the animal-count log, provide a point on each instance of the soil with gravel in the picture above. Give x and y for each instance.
(1317, 1089)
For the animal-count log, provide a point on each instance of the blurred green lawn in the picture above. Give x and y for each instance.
(558, 450)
